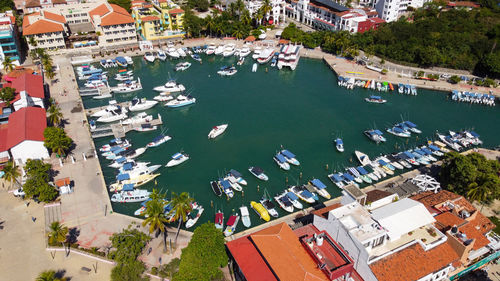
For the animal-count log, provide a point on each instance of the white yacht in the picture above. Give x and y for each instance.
(259, 173)
(211, 49)
(124, 75)
(229, 50)
(127, 87)
(289, 56)
(194, 215)
(172, 52)
(157, 141)
(284, 202)
(112, 117)
(180, 101)
(245, 51)
(181, 52)
(113, 106)
(137, 195)
(219, 50)
(129, 60)
(265, 56)
(141, 104)
(171, 87)
(140, 118)
(256, 52)
(281, 161)
(161, 97)
(217, 131)
(148, 56)
(227, 71)
(177, 159)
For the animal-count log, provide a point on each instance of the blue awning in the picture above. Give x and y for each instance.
(409, 155)
(120, 160)
(176, 156)
(225, 184)
(122, 177)
(235, 173)
(287, 153)
(317, 183)
(337, 178)
(378, 132)
(339, 141)
(348, 176)
(280, 158)
(433, 147)
(128, 187)
(307, 194)
(128, 166)
(292, 196)
(362, 170)
(410, 124)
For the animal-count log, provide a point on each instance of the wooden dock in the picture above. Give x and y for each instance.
(118, 130)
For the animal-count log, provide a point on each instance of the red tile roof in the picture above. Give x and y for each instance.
(31, 83)
(413, 262)
(54, 17)
(100, 10)
(33, 4)
(3, 137)
(42, 26)
(176, 11)
(118, 16)
(432, 199)
(447, 220)
(150, 18)
(27, 123)
(476, 229)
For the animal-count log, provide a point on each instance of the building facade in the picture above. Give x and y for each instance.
(45, 30)
(160, 21)
(9, 38)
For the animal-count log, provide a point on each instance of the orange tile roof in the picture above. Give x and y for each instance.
(248, 258)
(413, 262)
(62, 182)
(282, 250)
(323, 212)
(33, 4)
(462, 202)
(176, 11)
(432, 199)
(150, 18)
(100, 10)
(42, 26)
(118, 16)
(54, 17)
(376, 194)
(447, 220)
(476, 229)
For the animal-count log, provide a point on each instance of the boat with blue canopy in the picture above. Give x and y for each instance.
(177, 159)
(281, 161)
(397, 131)
(226, 187)
(290, 157)
(364, 175)
(339, 144)
(294, 199)
(303, 194)
(320, 188)
(336, 179)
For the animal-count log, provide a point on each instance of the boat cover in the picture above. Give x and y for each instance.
(307, 194)
(409, 155)
(257, 170)
(433, 147)
(268, 204)
(286, 201)
(361, 170)
(120, 160)
(317, 183)
(225, 184)
(235, 173)
(378, 132)
(376, 97)
(115, 148)
(337, 178)
(158, 138)
(219, 217)
(128, 187)
(474, 134)
(339, 141)
(122, 177)
(280, 158)
(121, 60)
(177, 156)
(348, 177)
(426, 150)
(382, 162)
(287, 154)
(410, 124)
(292, 196)
(398, 130)
(128, 166)
(231, 220)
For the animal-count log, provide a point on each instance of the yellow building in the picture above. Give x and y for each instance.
(158, 22)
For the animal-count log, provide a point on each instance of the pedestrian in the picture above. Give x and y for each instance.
(33, 219)
(159, 259)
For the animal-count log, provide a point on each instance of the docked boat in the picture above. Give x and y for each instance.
(366, 176)
(375, 135)
(182, 66)
(269, 206)
(281, 161)
(302, 193)
(149, 57)
(265, 56)
(114, 143)
(450, 142)
(124, 182)
(229, 50)
(157, 141)
(135, 170)
(112, 117)
(170, 87)
(256, 52)
(435, 150)
(362, 158)
(258, 173)
(92, 125)
(336, 179)
(219, 220)
(245, 216)
(227, 71)
(216, 188)
(356, 175)
(260, 210)
(142, 210)
(339, 144)
(290, 157)
(397, 131)
(177, 159)
(294, 199)
(374, 175)
(196, 57)
(237, 175)
(145, 128)
(140, 118)
(241, 60)
(141, 104)
(320, 188)
(226, 188)
(284, 202)
(134, 153)
(163, 97)
(231, 224)
(375, 99)
(194, 215)
(172, 52)
(136, 195)
(219, 50)
(211, 49)
(94, 84)
(245, 51)
(412, 127)
(217, 131)
(347, 178)
(129, 60)
(180, 101)
(161, 55)
(289, 56)
(181, 52)
(395, 164)
(124, 75)
(127, 86)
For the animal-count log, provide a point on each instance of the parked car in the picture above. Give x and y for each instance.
(19, 192)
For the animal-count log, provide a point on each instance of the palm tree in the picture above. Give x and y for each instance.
(60, 146)
(11, 172)
(266, 8)
(7, 64)
(155, 216)
(245, 18)
(210, 24)
(31, 40)
(477, 193)
(58, 233)
(55, 115)
(181, 206)
(238, 31)
(240, 7)
(49, 275)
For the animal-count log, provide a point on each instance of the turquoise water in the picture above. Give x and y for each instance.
(302, 110)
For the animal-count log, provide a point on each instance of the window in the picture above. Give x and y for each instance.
(378, 242)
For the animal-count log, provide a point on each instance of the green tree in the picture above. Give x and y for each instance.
(266, 8)
(204, 255)
(11, 172)
(128, 245)
(126, 4)
(36, 185)
(130, 271)
(31, 40)
(7, 95)
(155, 215)
(56, 140)
(7, 64)
(181, 206)
(55, 115)
(49, 275)
(57, 233)
(239, 31)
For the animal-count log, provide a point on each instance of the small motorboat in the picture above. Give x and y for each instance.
(170, 87)
(135, 195)
(294, 200)
(237, 175)
(157, 141)
(337, 179)
(303, 194)
(217, 131)
(92, 125)
(140, 118)
(134, 153)
(260, 210)
(219, 220)
(196, 57)
(229, 50)
(290, 157)
(231, 224)
(258, 173)
(145, 128)
(284, 202)
(339, 144)
(149, 57)
(216, 188)
(226, 188)
(177, 159)
(194, 215)
(161, 55)
(241, 60)
(397, 131)
(181, 52)
(281, 161)
(172, 52)
(245, 51)
(269, 207)
(362, 158)
(211, 49)
(182, 66)
(180, 101)
(245, 216)
(127, 86)
(114, 143)
(142, 210)
(233, 182)
(227, 71)
(375, 135)
(219, 50)
(141, 104)
(375, 99)
(320, 188)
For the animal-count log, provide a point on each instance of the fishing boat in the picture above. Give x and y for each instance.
(170, 87)
(397, 131)
(258, 173)
(216, 188)
(180, 101)
(149, 57)
(141, 104)
(302, 193)
(320, 188)
(161, 55)
(177, 159)
(362, 158)
(182, 66)
(194, 215)
(227, 71)
(284, 202)
(265, 56)
(281, 161)
(375, 99)
(269, 206)
(219, 220)
(157, 141)
(231, 224)
(229, 50)
(237, 175)
(260, 210)
(339, 144)
(336, 179)
(375, 135)
(145, 128)
(140, 118)
(226, 188)
(290, 157)
(217, 131)
(245, 216)
(136, 195)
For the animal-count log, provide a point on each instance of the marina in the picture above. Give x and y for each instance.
(307, 126)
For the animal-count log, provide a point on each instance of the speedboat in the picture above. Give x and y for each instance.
(170, 87)
(148, 56)
(290, 157)
(339, 144)
(281, 161)
(181, 52)
(395, 164)
(196, 57)
(302, 193)
(229, 50)
(284, 202)
(137, 170)
(112, 117)
(134, 153)
(409, 157)
(245, 216)
(450, 142)
(356, 175)
(177, 159)
(182, 66)
(231, 224)
(397, 131)
(219, 50)
(145, 128)
(161, 55)
(364, 175)
(256, 52)
(375, 135)
(435, 150)
(141, 104)
(320, 188)
(234, 183)
(294, 199)
(181, 100)
(157, 141)
(172, 52)
(412, 127)
(400, 160)
(125, 182)
(265, 56)
(258, 173)
(219, 220)
(347, 178)
(237, 176)
(136, 195)
(245, 51)
(362, 158)
(140, 118)
(217, 131)
(269, 207)
(375, 99)
(129, 60)
(127, 87)
(260, 210)
(216, 188)
(226, 188)
(211, 49)
(336, 179)
(227, 71)
(194, 215)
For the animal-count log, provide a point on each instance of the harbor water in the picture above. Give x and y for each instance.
(302, 111)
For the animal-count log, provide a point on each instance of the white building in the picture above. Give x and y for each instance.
(47, 30)
(391, 10)
(277, 14)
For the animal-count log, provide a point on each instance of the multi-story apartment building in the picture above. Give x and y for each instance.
(160, 22)
(275, 16)
(171, 15)
(45, 30)
(9, 38)
(113, 24)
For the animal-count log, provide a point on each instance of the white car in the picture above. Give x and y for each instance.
(19, 192)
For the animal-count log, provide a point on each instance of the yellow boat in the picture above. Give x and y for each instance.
(137, 181)
(260, 210)
(354, 72)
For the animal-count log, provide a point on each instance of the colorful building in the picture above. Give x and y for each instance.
(157, 21)
(9, 38)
